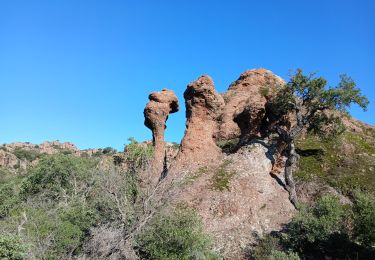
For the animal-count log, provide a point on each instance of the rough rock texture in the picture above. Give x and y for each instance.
(8, 159)
(156, 114)
(250, 201)
(245, 103)
(203, 109)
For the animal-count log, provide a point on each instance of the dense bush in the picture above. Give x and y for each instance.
(8, 198)
(177, 235)
(11, 247)
(316, 224)
(56, 174)
(24, 154)
(364, 219)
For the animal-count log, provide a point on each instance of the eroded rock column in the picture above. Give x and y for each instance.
(203, 109)
(156, 114)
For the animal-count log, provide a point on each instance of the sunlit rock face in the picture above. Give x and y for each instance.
(156, 114)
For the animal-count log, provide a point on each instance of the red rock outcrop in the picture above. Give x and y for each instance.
(203, 109)
(156, 114)
(245, 103)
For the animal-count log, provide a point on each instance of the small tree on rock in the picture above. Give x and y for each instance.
(305, 104)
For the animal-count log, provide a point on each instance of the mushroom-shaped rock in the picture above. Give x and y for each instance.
(245, 103)
(156, 113)
(203, 108)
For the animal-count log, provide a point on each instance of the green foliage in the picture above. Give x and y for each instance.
(67, 238)
(222, 177)
(364, 219)
(177, 235)
(11, 247)
(24, 154)
(57, 201)
(138, 155)
(309, 99)
(80, 215)
(54, 174)
(316, 224)
(344, 162)
(8, 197)
(280, 255)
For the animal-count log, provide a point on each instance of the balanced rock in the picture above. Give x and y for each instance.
(156, 114)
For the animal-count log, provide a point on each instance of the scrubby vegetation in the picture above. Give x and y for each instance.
(176, 235)
(52, 207)
(55, 208)
(327, 229)
(221, 178)
(28, 155)
(346, 162)
(11, 247)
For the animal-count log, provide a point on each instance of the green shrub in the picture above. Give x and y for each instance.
(137, 154)
(67, 238)
(364, 219)
(79, 215)
(11, 247)
(177, 235)
(24, 154)
(54, 173)
(280, 255)
(316, 224)
(8, 198)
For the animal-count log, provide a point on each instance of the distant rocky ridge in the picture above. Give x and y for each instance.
(20, 155)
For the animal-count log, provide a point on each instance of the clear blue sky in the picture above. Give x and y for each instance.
(81, 71)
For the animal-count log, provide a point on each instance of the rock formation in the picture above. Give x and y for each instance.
(203, 109)
(238, 199)
(156, 114)
(245, 104)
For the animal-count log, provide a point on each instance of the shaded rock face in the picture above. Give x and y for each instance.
(203, 108)
(237, 208)
(245, 103)
(156, 114)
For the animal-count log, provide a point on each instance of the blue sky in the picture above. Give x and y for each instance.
(81, 71)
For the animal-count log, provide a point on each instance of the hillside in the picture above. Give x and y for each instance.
(220, 193)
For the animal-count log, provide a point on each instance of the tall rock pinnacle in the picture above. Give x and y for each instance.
(156, 114)
(203, 107)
